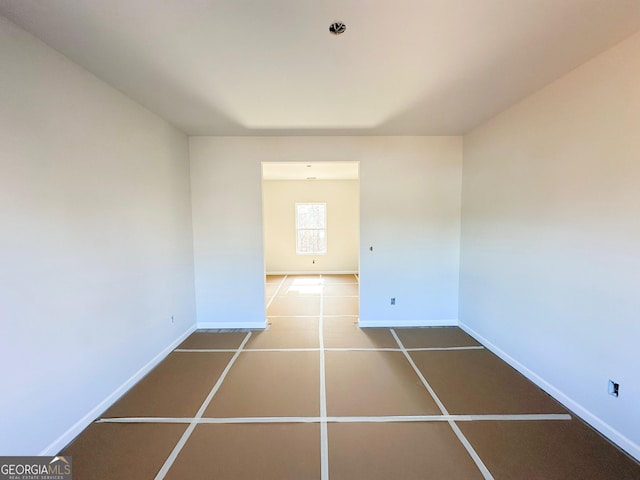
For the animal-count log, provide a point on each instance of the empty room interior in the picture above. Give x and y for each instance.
(321, 240)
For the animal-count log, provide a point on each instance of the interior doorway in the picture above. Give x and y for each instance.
(311, 237)
(311, 217)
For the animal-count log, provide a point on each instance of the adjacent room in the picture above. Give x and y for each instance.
(311, 217)
(250, 239)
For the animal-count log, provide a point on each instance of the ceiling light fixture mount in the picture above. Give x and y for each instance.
(337, 28)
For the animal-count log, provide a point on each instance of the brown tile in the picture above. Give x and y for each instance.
(205, 339)
(430, 337)
(300, 295)
(478, 382)
(551, 450)
(296, 282)
(264, 451)
(374, 383)
(341, 290)
(343, 332)
(341, 306)
(294, 306)
(270, 289)
(405, 451)
(339, 279)
(300, 332)
(106, 451)
(294, 277)
(270, 384)
(302, 286)
(274, 279)
(175, 388)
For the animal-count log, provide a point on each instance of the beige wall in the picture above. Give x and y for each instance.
(342, 200)
(96, 249)
(550, 264)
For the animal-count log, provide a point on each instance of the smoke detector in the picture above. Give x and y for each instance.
(337, 28)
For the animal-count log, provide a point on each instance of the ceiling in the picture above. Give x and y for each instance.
(271, 67)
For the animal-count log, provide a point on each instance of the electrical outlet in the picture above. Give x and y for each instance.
(614, 388)
(393, 300)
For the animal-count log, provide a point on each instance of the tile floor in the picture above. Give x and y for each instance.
(315, 397)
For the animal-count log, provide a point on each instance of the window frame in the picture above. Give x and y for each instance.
(299, 229)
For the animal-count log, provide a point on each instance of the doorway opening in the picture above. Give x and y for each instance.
(311, 233)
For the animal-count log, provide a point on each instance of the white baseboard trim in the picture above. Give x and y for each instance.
(64, 439)
(596, 422)
(232, 325)
(408, 323)
(315, 272)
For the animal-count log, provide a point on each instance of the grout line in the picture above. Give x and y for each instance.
(187, 433)
(248, 350)
(330, 349)
(362, 349)
(474, 455)
(326, 285)
(385, 349)
(415, 368)
(354, 419)
(275, 293)
(208, 350)
(314, 294)
(324, 430)
(442, 349)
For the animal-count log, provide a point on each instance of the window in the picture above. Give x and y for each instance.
(311, 228)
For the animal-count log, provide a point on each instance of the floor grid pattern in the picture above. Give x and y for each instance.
(314, 396)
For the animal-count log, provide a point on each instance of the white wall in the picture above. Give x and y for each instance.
(342, 199)
(551, 238)
(409, 213)
(96, 246)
